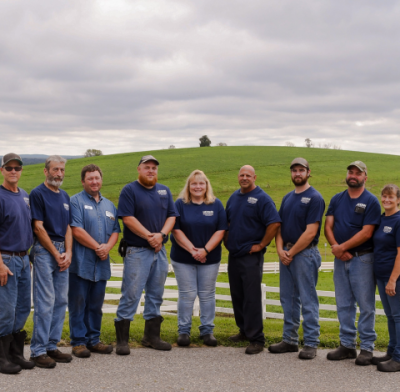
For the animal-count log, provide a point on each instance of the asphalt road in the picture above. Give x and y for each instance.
(202, 369)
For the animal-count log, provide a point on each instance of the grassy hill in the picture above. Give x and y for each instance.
(221, 164)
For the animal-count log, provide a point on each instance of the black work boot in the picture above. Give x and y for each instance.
(151, 338)
(239, 337)
(6, 366)
(342, 352)
(183, 340)
(209, 340)
(254, 348)
(364, 358)
(283, 347)
(16, 352)
(389, 366)
(384, 358)
(308, 352)
(122, 332)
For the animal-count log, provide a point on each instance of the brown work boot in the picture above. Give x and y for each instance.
(58, 356)
(81, 351)
(239, 337)
(43, 361)
(101, 348)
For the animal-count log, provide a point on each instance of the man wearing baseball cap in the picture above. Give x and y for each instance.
(148, 213)
(297, 246)
(16, 238)
(350, 223)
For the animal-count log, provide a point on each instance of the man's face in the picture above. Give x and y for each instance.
(55, 174)
(355, 177)
(300, 175)
(92, 183)
(247, 178)
(148, 173)
(13, 176)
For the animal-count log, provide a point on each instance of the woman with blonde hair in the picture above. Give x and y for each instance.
(196, 254)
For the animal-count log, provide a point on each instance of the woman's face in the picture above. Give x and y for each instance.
(197, 187)
(389, 201)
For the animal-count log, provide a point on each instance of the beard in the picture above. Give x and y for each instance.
(356, 184)
(55, 181)
(146, 182)
(299, 181)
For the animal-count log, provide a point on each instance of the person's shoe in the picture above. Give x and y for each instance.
(16, 353)
(384, 358)
(254, 348)
(58, 356)
(122, 332)
(308, 352)
(389, 366)
(151, 338)
(183, 340)
(7, 367)
(81, 351)
(209, 340)
(342, 352)
(239, 337)
(44, 361)
(101, 348)
(364, 358)
(283, 347)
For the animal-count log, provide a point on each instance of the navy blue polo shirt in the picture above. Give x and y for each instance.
(248, 216)
(299, 210)
(15, 221)
(151, 207)
(198, 222)
(352, 214)
(386, 241)
(52, 209)
(100, 221)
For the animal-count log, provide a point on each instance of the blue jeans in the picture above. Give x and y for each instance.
(15, 296)
(143, 270)
(85, 300)
(391, 305)
(196, 280)
(50, 298)
(297, 290)
(355, 284)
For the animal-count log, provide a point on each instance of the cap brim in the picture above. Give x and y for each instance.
(14, 159)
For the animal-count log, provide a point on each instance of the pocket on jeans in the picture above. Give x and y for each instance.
(6, 259)
(368, 258)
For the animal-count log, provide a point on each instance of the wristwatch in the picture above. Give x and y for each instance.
(164, 236)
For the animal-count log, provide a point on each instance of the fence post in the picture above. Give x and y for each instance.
(196, 307)
(264, 300)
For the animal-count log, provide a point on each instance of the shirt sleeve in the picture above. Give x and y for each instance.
(331, 207)
(126, 203)
(227, 211)
(281, 207)
(316, 210)
(222, 221)
(178, 206)
(373, 213)
(172, 211)
(268, 212)
(37, 206)
(116, 228)
(76, 213)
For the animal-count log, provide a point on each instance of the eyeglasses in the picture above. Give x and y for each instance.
(11, 168)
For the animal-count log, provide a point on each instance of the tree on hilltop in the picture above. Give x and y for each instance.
(91, 152)
(309, 143)
(205, 141)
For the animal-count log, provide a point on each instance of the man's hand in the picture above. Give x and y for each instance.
(64, 261)
(346, 256)
(285, 257)
(4, 272)
(102, 251)
(158, 248)
(256, 248)
(337, 251)
(155, 240)
(390, 288)
(199, 254)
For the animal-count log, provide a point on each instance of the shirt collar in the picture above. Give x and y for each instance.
(92, 198)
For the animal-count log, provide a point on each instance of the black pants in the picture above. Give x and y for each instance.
(245, 276)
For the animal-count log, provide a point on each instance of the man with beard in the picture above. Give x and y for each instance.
(253, 223)
(51, 256)
(297, 246)
(148, 213)
(350, 223)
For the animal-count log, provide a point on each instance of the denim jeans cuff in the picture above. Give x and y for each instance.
(292, 342)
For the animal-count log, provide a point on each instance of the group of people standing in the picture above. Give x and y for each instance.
(70, 241)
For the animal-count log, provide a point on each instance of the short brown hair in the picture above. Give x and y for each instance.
(90, 168)
(391, 189)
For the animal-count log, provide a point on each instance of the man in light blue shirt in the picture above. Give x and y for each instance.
(95, 230)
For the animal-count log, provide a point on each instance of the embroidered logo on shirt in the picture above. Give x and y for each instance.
(305, 200)
(66, 206)
(110, 215)
(387, 229)
(162, 192)
(27, 201)
(208, 213)
(88, 207)
(252, 200)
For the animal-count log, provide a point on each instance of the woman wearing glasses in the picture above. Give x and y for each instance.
(387, 272)
(196, 254)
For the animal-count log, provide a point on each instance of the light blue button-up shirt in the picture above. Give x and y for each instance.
(99, 220)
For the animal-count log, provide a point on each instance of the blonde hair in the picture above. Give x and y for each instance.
(209, 197)
(391, 189)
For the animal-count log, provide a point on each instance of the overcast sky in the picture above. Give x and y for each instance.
(127, 75)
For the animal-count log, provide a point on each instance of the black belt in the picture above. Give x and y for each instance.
(6, 252)
(289, 245)
(362, 253)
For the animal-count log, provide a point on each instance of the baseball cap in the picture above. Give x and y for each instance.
(10, 157)
(360, 165)
(300, 161)
(147, 158)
